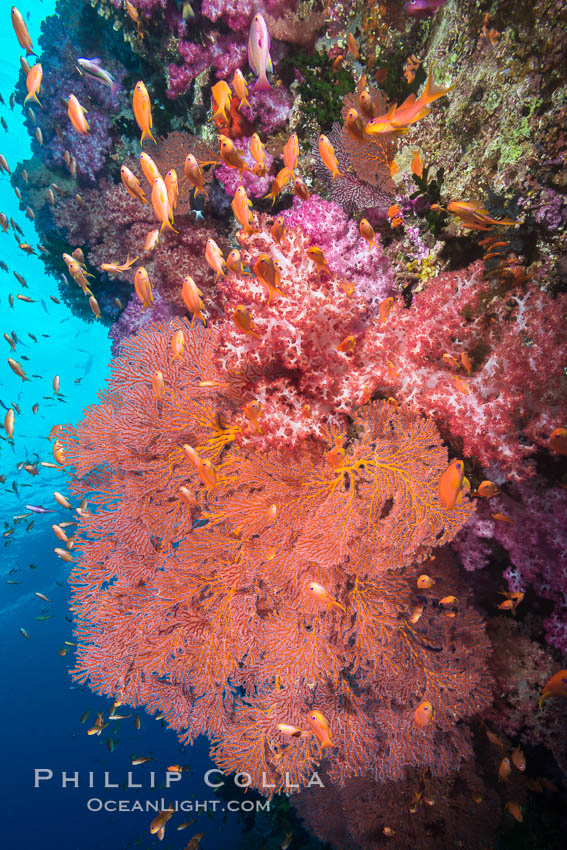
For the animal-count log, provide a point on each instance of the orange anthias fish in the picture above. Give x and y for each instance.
(150, 169)
(33, 83)
(474, 217)
(417, 164)
(319, 725)
(76, 114)
(385, 309)
(425, 582)
(367, 232)
(292, 731)
(230, 155)
(243, 321)
(347, 345)
(143, 111)
(327, 154)
(157, 826)
(214, 257)
(222, 97)
(354, 125)
(160, 203)
(152, 238)
(172, 187)
(316, 254)
(411, 110)
(423, 715)
(461, 385)
(252, 411)
(178, 341)
(558, 440)
(257, 150)
(365, 103)
(556, 687)
(291, 153)
(268, 274)
(352, 46)
(234, 262)
(21, 31)
(191, 295)
(518, 759)
(114, 268)
(300, 189)
(515, 810)
(95, 307)
(143, 287)
(158, 385)
(323, 595)
(504, 770)
(240, 87)
(282, 177)
(487, 489)
(194, 174)
(450, 484)
(278, 229)
(241, 208)
(132, 184)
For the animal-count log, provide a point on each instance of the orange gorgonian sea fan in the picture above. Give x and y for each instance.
(199, 602)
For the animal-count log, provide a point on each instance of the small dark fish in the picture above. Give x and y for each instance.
(32, 336)
(29, 526)
(3, 122)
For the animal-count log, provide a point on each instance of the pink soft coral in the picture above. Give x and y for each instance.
(294, 367)
(516, 343)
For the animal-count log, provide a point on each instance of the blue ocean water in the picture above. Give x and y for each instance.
(41, 708)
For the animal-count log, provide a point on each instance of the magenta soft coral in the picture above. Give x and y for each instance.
(231, 179)
(300, 375)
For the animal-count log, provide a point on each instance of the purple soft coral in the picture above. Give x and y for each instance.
(326, 225)
(536, 542)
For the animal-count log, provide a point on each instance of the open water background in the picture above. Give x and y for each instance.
(40, 709)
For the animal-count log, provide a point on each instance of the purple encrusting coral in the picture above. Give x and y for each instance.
(536, 542)
(327, 226)
(92, 150)
(134, 317)
(238, 13)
